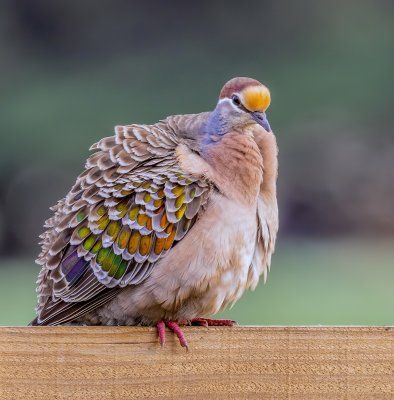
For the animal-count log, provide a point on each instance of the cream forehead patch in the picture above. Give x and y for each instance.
(256, 98)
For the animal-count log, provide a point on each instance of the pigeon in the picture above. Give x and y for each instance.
(169, 223)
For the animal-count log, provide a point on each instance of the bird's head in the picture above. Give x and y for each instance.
(243, 101)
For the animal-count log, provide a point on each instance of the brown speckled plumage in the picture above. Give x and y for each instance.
(171, 221)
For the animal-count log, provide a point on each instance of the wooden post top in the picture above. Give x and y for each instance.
(223, 363)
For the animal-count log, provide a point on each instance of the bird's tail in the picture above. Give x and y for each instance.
(34, 322)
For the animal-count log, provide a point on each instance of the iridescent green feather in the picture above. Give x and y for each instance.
(95, 249)
(115, 263)
(102, 255)
(121, 270)
(89, 242)
(108, 262)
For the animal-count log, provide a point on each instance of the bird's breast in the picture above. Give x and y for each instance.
(238, 166)
(208, 269)
(232, 242)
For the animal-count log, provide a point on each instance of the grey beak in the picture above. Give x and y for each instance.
(262, 120)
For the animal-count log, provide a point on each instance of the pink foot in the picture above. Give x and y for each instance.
(212, 322)
(161, 330)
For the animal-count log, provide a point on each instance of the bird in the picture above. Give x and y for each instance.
(168, 223)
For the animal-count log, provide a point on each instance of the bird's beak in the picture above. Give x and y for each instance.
(262, 120)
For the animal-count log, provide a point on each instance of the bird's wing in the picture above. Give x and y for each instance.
(130, 206)
(267, 207)
(267, 222)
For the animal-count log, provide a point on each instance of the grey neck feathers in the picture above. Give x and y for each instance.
(216, 123)
(215, 127)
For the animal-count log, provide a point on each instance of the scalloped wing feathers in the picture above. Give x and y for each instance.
(129, 207)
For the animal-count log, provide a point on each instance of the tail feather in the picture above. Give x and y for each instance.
(34, 322)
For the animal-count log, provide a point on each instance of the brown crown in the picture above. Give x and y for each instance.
(236, 85)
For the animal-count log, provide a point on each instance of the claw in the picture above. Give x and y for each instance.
(178, 331)
(161, 330)
(174, 327)
(212, 322)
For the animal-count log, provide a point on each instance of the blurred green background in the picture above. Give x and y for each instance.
(71, 71)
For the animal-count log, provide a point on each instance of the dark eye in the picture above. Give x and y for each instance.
(236, 100)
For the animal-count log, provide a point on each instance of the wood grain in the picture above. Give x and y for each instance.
(223, 363)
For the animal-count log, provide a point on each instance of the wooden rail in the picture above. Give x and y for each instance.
(223, 363)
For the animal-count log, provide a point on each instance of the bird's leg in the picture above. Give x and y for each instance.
(212, 322)
(161, 330)
(178, 331)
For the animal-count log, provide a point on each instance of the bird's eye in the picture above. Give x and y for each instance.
(236, 100)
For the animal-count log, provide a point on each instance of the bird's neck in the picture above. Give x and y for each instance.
(215, 126)
(237, 165)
